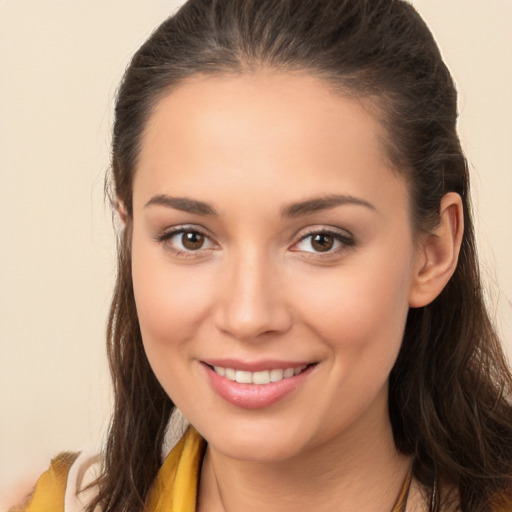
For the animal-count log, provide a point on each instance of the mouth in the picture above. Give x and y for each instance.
(256, 386)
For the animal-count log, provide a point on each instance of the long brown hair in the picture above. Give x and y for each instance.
(450, 387)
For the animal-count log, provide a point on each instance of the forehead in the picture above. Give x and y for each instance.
(261, 131)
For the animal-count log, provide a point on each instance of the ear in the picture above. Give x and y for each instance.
(438, 253)
(122, 212)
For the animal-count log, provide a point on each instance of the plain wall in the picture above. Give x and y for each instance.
(60, 63)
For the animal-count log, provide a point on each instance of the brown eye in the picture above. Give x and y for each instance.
(322, 242)
(192, 240)
(182, 241)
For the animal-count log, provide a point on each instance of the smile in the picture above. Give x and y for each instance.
(256, 385)
(260, 377)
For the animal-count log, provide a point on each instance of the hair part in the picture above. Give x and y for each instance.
(449, 388)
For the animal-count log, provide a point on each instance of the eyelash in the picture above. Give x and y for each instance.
(346, 240)
(166, 236)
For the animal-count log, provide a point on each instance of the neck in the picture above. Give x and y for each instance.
(358, 470)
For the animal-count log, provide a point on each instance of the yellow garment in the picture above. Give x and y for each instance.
(48, 495)
(174, 490)
(175, 487)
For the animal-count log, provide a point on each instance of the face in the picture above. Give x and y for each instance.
(273, 262)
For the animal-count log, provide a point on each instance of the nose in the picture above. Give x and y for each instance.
(251, 301)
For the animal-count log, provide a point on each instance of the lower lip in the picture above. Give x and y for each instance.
(254, 396)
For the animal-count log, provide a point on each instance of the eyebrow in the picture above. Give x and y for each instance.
(298, 209)
(317, 204)
(182, 203)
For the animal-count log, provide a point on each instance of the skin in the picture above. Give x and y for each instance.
(249, 146)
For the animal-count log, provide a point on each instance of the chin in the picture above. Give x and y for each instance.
(260, 449)
(268, 440)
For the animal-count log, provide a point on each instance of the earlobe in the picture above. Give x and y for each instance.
(438, 253)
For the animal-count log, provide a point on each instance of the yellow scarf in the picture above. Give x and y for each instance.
(48, 494)
(174, 490)
(175, 487)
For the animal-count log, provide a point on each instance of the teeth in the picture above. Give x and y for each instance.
(243, 377)
(289, 372)
(262, 377)
(220, 370)
(276, 375)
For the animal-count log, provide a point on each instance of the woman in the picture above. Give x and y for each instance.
(297, 274)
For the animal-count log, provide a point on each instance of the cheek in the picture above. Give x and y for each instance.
(171, 301)
(359, 308)
(171, 306)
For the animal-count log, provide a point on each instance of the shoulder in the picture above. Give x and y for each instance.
(82, 479)
(70, 483)
(67, 485)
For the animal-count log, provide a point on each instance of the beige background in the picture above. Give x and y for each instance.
(60, 63)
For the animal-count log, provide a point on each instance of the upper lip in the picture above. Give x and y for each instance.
(256, 366)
